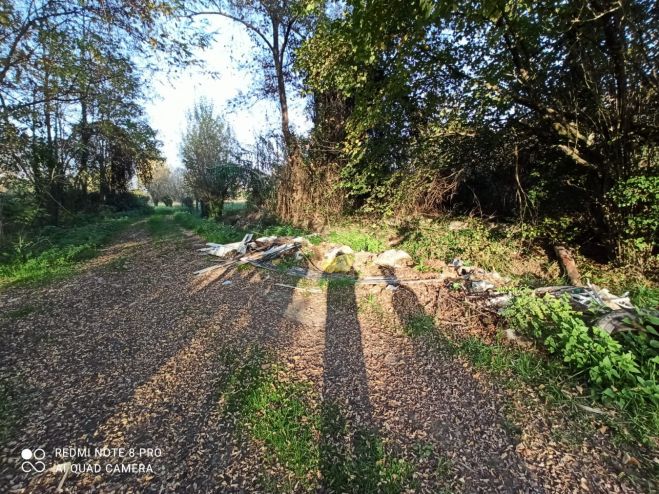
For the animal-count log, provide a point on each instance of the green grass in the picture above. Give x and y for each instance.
(357, 240)
(308, 442)
(476, 244)
(57, 252)
(234, 207)
(337, 282)
(161, 226)
(419, 324)
(210, 230)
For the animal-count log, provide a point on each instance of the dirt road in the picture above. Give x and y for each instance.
(126, 372)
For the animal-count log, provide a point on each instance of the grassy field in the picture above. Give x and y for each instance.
(51, 253)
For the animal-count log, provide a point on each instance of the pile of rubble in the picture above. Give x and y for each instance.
(392, 268)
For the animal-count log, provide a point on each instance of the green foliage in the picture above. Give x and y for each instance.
(55, 252)
(645, 297)
(463, 105)
(475, 243)
(282, 230)
(623, 372)
(209, 230)
(160, 226)
(357, 240)
(419, 324)
(634, 211)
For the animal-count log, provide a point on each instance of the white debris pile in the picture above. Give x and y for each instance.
(478, 280)
(250, 250)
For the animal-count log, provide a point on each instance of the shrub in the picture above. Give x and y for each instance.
(634, 212)
(623, 372)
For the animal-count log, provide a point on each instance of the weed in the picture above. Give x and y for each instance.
(419, 324)
(244, 267)
(161, 226)
(357, 240)
(210, 230)
(335, 282)
(370, 303)
(309, 442)
(282, 231)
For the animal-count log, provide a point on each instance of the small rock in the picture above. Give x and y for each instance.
(394, 258)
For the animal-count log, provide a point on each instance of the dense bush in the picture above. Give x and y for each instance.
(634, 210)
(621, 368)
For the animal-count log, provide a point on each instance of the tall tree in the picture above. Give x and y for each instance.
(277, 27)
(211, 156)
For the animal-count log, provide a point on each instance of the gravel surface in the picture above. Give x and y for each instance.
(129, 358)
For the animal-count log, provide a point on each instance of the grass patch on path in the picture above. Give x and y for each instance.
(306, 443)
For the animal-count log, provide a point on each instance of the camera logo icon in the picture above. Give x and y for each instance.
(32, 460)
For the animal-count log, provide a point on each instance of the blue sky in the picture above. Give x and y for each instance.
(174, 95)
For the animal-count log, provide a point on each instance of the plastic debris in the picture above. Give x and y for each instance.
(480, 286)
(338, 260)
(223, 250)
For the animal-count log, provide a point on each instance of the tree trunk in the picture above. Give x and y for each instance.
(290, 192)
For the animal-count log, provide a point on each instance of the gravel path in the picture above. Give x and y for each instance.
(126, 355)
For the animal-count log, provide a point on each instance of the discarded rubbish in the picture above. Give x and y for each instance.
(227, 282)
(616, 321)
(338, 260)
(394, 258)
(223, 250)
(266, 240)
(392, 288)
(590, 297)
(480, 286)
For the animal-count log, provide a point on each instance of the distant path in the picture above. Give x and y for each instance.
(126, 355)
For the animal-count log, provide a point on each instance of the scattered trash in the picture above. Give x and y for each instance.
(301, 241)
(456, 263)
(616, 321)
(266, 240)
(392, 288)
(500, 300)
(223, 250)
(338, 260)
(394, 258)
(227, 282)
(589, 298)
(480, 286)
